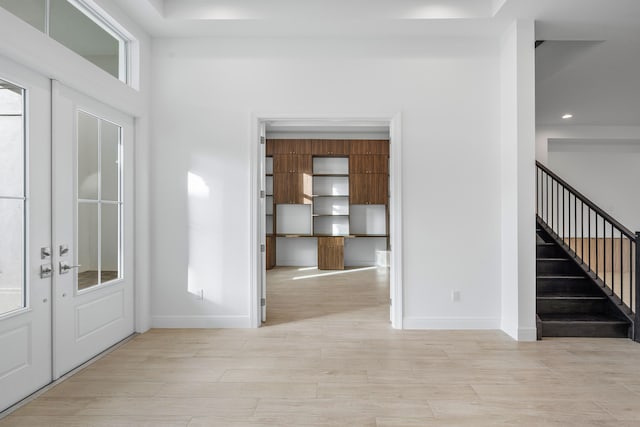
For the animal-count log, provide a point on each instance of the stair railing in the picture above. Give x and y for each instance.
(607, 249)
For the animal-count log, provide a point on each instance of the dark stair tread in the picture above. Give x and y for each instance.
(571, 297)
(580, 317)
(570, 276)
(571, 294)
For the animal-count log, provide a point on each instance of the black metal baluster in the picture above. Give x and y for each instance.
(597, 244)
(636, 323)
(589, 237)
(613, 274)
(575, 225)
(537, 193)
(546, 198)
(621, 270)
(582, 230)
(552, 210)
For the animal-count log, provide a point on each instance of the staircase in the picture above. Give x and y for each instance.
(569, 302)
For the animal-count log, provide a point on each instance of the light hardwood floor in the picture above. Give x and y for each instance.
(328, 357)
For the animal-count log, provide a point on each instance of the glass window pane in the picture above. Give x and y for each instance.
(109, 161)
(78, 32)
(110, 242)
(30, 11)
(11, 141)
(87, 156)
(87, 248)
(11, 255)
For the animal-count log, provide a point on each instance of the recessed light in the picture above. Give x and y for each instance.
(567, 116)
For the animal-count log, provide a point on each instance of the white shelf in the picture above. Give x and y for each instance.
(268, 205)
(330, 165)
(331, 225)
(268, 185)
(269, 224)
(268, 165)
(331, 185)
(294, 219)
(368, 219)
(331, 205)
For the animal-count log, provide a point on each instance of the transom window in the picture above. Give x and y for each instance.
(77, 25)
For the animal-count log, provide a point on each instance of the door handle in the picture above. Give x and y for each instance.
(45, 271)
(65, 267)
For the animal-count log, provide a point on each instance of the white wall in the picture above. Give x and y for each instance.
(518, 186)
(606, 172)
(580, 133)
(204, 94)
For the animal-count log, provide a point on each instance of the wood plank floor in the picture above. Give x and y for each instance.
(328, 357)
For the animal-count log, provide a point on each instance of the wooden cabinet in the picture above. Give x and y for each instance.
(369, 172)
(373, 163)
(288, 146)
(292, 181)
(270, 252)
(330, 147)
(369, 147)
(331, 253)
(292, 188)
(290, 163)
(368, 189)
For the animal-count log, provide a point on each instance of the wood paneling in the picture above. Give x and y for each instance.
(330, 147)
(373, 163)
(369, 147)
(331, 253)
(612, 254)
(368, 189)
(270, 252)
(611, 259)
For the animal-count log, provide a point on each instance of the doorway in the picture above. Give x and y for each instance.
(315, 232)
(66, 217)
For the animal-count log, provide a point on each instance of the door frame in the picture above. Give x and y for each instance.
(394, 121)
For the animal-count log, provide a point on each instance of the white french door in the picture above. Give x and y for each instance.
(92, 228)
(25, 232)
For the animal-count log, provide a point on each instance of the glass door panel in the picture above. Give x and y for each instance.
(99, 201)
(12, 200)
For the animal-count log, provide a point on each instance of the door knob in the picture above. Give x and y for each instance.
(65, 267)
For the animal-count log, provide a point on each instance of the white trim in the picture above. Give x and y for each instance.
(201, 321)
(395, 222)
(527, 334)
(453, 323)
(395, 205)
(125, 39)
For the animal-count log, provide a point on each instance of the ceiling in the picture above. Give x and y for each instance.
(589, 67)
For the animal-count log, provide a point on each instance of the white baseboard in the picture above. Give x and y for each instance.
(527, 334)
(200, 322)
(521, 334)
(450, 323)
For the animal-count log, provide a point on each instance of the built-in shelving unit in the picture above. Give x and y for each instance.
(268, 168)
(327, 190)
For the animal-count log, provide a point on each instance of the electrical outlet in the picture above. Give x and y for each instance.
(455, 296)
